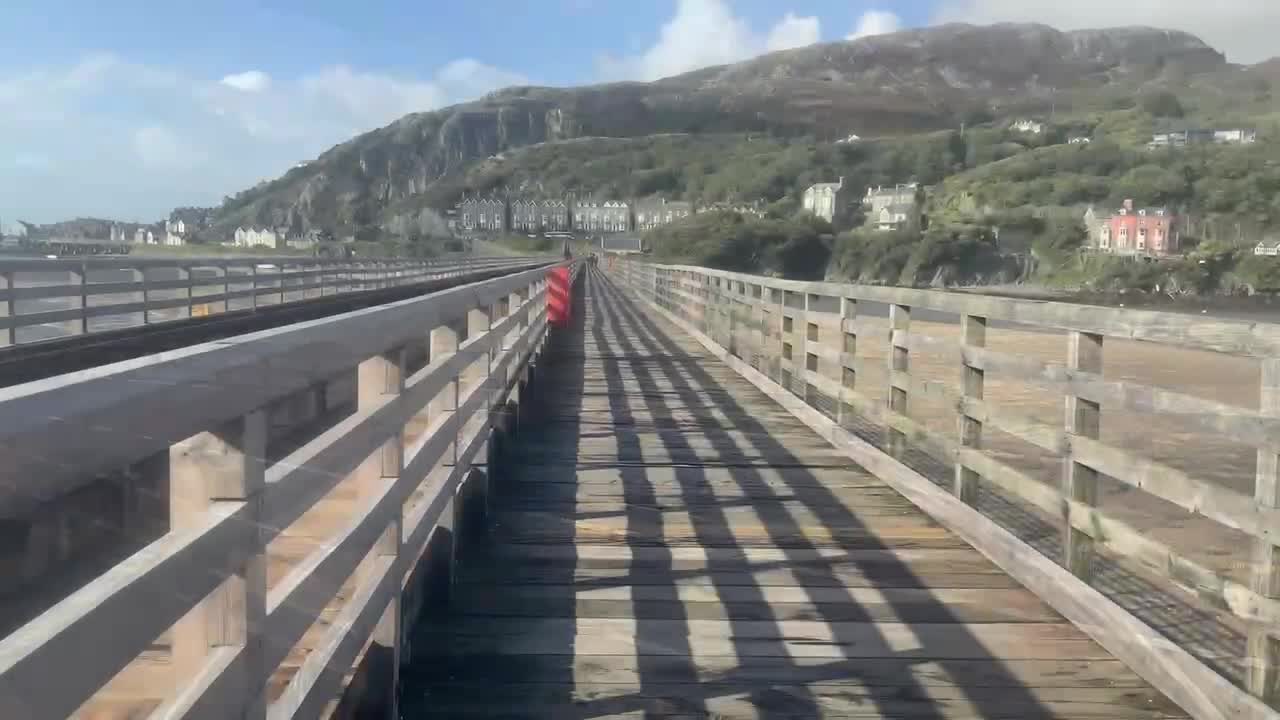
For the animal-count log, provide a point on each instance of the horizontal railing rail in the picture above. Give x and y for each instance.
(405, 450)
(44, 299)
(812, 339)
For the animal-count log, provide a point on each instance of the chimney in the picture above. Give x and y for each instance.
(1128, 204)
(841, 182)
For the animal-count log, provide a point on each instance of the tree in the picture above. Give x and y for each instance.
(1162, 104)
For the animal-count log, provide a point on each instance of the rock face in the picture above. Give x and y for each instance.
(903, 82)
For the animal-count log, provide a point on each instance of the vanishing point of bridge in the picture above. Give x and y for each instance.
(700, 494)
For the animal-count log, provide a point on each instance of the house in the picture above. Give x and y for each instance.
(655, 213)
(1269, 247)
(1235, 135)
(255, 237)
(484, 214)
(175, 232)
(1181, 138)
(1078, 140)
(531, 215)
(1133, 231)
(524, 215)
(826, 200)
(893, 217)
(893, 208)
(555, 215)
(1034, 127)
(608, 216)
(849, 140)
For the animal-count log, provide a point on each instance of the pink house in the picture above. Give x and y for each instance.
(1140, 231)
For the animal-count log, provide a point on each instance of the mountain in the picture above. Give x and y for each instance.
(901, 83)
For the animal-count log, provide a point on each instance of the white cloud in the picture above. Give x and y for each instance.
(160, 148)
(254, 81)
(793, 32)
(704, 33)
(1243, 29)
(109, 137)
(875, 22)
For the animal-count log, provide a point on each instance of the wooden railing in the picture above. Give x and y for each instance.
(404, 452)
(72, 297)
(810, 345)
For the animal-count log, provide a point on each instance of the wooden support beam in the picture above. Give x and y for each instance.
(973, 333)
(378, 379)
(899, 363)
(225, 465)
(1080, 481)
(1263, 662)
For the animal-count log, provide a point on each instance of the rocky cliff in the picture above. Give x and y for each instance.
(904, 82)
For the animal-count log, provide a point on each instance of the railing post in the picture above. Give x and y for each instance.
(376, 378)
(225, 465)
(253, 296)
(186, 273)
(84, 298)
(226, 287)
(1263, 663)
(444, 342)
(973, 334)
(848, 354)
(1080, 482)
(784, 348)
(141, 275)
(899, 374)
(810, 336)
(10, 312)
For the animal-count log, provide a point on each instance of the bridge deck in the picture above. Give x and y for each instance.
(669, 542)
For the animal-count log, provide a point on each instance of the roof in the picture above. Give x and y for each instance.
(1270, 243)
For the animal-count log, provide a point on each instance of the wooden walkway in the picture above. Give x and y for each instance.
(666, 541)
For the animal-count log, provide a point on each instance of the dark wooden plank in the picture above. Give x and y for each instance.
(779, 699)
(887, 672)
(797, 638)
(693, 602)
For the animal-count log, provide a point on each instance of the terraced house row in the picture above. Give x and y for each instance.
(501, 213)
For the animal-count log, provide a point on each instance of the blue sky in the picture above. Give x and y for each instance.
(126, 109)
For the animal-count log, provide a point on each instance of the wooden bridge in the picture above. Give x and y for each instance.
(708, 495)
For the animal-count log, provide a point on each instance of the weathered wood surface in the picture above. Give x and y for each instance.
(666, 541)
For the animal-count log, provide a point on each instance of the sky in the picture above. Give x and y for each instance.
(127, 109)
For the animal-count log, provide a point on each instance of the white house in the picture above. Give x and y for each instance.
(1079, 140)
(1270, 247)
(1028, 126)
(1235, 135)
(825, 199)
(253, 237)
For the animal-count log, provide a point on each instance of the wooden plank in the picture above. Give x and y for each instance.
(880, 672)
(798, 638)
(769, 603)
(1232, 421)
